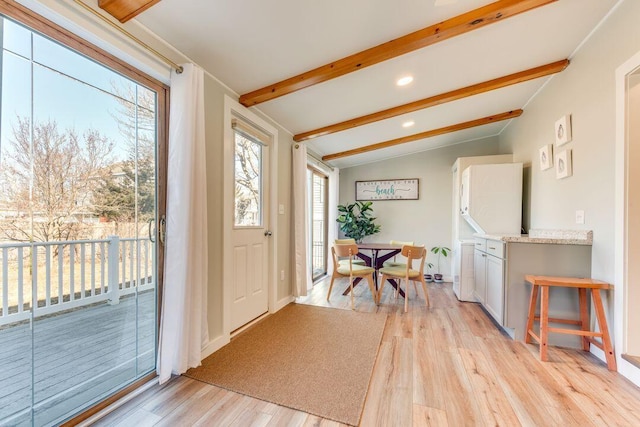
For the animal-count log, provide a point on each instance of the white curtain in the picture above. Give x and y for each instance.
(300, 232)
(183, 325)
(332, 226)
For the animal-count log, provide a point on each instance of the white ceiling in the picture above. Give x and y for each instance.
(249, 44)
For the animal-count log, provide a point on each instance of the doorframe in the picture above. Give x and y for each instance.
(621, 294)
(233, 109)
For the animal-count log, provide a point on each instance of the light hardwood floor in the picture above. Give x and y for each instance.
(447, 365)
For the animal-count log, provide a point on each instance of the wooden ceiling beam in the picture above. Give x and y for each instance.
(428, 134)
(124, 10)
(511, 79)
(444, 30)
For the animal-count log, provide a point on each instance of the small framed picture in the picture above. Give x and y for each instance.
(546, 157)
(564, 168)
(563, 130)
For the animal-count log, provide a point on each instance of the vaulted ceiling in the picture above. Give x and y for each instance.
(327, 70)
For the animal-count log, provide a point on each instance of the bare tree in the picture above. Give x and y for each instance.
(248, 160)
(128, 193)
(49, 176)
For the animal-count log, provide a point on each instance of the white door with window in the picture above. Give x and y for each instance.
(250, 235)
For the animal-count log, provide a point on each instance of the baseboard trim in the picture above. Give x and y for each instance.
(215, 345)
(634, 360)
(283, 302)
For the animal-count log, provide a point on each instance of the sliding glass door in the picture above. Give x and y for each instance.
(78, 208)
(317, 185)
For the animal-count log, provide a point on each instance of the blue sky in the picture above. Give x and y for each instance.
(73, 90)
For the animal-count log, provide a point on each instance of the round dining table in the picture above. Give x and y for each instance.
(375, 255)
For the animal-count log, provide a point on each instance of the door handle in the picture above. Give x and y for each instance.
(268, 233)
(162, 229)
(152, 230)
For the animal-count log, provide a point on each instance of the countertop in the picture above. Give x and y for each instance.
(557, 237)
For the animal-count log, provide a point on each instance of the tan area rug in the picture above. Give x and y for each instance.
(314, 359)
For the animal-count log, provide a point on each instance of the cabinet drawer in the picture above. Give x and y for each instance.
(481, 244)
(495, 248)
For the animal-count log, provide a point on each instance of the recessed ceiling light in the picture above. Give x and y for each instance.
(404, 80)
(408, 124)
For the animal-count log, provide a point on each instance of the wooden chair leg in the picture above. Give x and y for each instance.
(544, 322)
(424, 289)
(351, 286)
(372, 286)
(604, 329)
(383, 280)
(333, 277)
(533, 300)
(406, 294)
(584, 316)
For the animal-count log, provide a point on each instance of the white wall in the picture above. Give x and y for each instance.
(426, 220)
(586, 90)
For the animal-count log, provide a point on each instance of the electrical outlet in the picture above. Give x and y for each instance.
(281, 209)
(580, 217)
(281, 274)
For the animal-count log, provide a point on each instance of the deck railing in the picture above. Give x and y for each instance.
(48, 277)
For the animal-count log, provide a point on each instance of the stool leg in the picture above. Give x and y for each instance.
(604, 329)
(532, 312)
(544, 322)
(584, 316)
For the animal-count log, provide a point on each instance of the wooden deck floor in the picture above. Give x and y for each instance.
(77, 356)
(447, 365)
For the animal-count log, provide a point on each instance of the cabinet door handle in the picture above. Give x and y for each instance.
(491, 247)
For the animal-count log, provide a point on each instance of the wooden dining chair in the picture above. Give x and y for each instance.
(394, 262)
(408, 273)
(351, 270)
(345, 262)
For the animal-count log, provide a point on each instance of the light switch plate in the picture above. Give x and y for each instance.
(281, 209)
(580, 217)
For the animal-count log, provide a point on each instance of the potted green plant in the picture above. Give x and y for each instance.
(440, 251)
(357, 221)
(428, 276)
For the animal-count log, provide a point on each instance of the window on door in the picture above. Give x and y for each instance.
(78, 199)
(318, 188)
(248, 179)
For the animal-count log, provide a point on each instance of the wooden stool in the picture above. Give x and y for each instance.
(581, 285)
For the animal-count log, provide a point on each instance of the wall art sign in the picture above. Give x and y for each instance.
(563, 130)
(564, 166)
(546, 157)
(391, 189)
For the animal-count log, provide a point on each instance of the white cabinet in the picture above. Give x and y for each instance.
(480, 275)
(500, 287)
(489, 276)
(494, 303)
